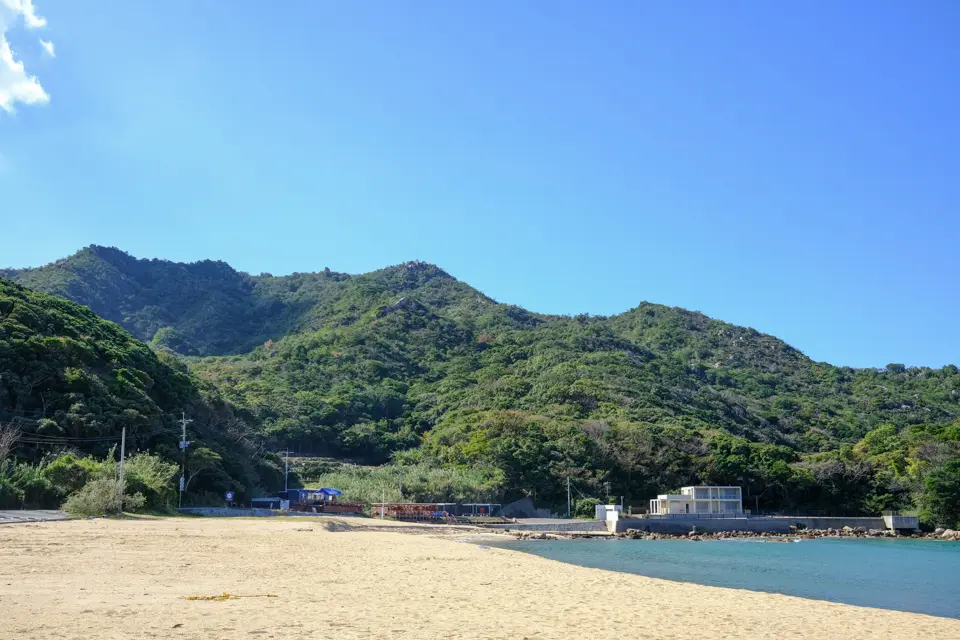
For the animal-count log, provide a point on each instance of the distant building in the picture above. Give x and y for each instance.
(699, 501)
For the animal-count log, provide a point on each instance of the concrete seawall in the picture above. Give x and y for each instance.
(839, 523)
(704, 525)
(680, 526)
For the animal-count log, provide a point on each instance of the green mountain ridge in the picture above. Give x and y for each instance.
(70, 380)
(408, 363)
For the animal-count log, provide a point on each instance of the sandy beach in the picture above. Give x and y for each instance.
(326, 578)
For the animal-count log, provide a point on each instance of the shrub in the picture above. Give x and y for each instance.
(68, 473)
(153, 478)
(310, 468)
(418, 483)
(586, 508)
(101, 496)
(36, 490)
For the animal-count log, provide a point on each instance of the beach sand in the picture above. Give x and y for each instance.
(131, 579)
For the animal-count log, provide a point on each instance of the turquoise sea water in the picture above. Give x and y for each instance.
(921, 576)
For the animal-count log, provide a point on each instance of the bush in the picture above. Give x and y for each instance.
(101, 496)
(37, 491)
(586, 508)
(310, 468)
(419, 483)
(68, 473)
(153, 478)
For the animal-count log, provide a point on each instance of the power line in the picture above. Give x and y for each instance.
(40, 438)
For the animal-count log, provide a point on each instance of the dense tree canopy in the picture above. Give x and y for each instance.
(409, 364)
(71, 381)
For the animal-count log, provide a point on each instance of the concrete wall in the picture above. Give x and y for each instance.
(682, 526)
(759, 525)
(911, 523)
(837, 523)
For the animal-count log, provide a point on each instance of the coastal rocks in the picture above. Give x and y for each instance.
(795, 534)
(938, 531)
(536, 535)
(802, 534)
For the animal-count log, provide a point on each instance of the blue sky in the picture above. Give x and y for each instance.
(789, 166)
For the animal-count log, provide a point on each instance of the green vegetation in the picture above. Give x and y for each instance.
(408, 366)
(413, 483)
(70, 381)
(85, 485)
(586, 508)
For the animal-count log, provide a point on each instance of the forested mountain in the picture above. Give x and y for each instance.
(69, 381)
(410, 364)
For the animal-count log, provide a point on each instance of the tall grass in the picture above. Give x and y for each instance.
(413, 483)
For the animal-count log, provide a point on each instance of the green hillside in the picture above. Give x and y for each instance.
(70, 381)
(408, 364)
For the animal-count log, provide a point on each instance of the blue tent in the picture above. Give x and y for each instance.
(329, 492)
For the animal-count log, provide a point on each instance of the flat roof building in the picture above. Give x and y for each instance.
(703, 500)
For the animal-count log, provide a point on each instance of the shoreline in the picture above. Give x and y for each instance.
(166, 577)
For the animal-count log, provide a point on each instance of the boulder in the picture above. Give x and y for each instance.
(848, 529)
(950, 534)
(938, 531)
(861, 529)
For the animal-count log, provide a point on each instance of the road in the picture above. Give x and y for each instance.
(13, 517)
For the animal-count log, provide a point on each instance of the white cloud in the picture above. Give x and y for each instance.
(16, 85)
(48, 47)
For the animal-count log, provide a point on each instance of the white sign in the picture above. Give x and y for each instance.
(229, 496)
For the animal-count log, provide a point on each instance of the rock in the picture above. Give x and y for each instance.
(848, 529)
(938, 531)
(950, 534)
(861, 529)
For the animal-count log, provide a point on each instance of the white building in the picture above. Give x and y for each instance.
(608, 511)
(699, 500)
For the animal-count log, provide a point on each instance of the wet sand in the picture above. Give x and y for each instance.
(340, 578)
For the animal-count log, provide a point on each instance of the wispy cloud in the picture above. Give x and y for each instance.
(48, 47)
(16, 84)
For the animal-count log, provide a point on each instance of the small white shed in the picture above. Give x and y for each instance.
(608, 511)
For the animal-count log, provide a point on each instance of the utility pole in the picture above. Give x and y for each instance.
(383, 501)
(568, 496)
(184, 421)
(123, 450)
(286, 468)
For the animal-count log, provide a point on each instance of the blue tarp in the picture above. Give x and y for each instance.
(329, 492)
